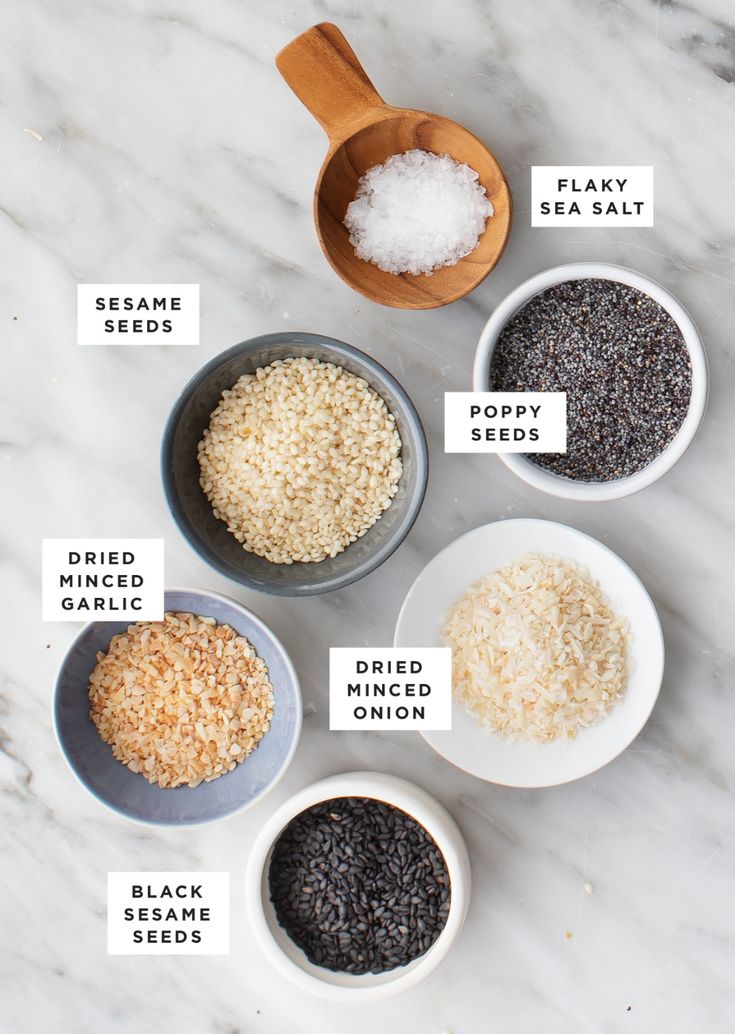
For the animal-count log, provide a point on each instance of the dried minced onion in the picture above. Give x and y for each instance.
(300, 459)
(180, 700)
(538, 652)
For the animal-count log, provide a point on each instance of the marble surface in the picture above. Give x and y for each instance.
(154, 141)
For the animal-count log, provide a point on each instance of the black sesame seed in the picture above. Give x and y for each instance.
(367, 908)
(623, 363)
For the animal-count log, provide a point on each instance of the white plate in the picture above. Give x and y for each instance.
(486, 754)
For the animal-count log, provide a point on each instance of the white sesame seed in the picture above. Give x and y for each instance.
(300, 459)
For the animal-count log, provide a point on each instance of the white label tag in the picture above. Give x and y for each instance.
(102, 579)
(168, 913)
(390, 688)
(138, 314)
(505, 421)
(592, 195)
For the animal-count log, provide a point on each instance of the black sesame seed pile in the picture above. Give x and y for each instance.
(359, 885)
(623, 362)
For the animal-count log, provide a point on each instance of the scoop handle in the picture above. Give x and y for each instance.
(322, 70)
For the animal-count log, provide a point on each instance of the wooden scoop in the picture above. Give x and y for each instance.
(322, 70)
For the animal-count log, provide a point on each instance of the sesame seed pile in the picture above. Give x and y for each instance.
(623, 363)
(300, 459)
(359, 885)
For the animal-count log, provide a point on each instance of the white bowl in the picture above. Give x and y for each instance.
(486, 754)
(555, 484)
(287, 957)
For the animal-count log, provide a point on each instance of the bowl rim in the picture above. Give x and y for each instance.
(178, 824)
(340, 348)
(660, 646)
(401, 794)
(566, 488)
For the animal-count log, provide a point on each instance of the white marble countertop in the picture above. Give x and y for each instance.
(154, 141)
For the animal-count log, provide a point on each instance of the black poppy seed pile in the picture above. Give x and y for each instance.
(623, 363)
(359, 885)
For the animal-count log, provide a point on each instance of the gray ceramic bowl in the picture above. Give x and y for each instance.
(130, 794)
(210, 538)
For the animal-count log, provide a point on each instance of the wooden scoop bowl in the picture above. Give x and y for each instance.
(322, 70)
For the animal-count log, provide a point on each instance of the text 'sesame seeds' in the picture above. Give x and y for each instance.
(359, 885)
(621, 359)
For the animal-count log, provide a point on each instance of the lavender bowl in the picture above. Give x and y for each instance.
(130, 794)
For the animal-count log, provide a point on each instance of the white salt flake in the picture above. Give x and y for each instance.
(416, 212)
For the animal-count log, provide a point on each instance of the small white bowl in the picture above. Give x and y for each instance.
(287, 957)
(586, 491)
(486, 754)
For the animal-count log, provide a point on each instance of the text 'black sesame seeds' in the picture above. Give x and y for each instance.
(359, 885)
(623, 362)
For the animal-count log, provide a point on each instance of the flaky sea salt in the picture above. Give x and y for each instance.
(416, 212)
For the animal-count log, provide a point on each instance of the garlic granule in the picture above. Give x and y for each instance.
(300, 459)
(417, 212)
(537, 651)
(182, 700)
